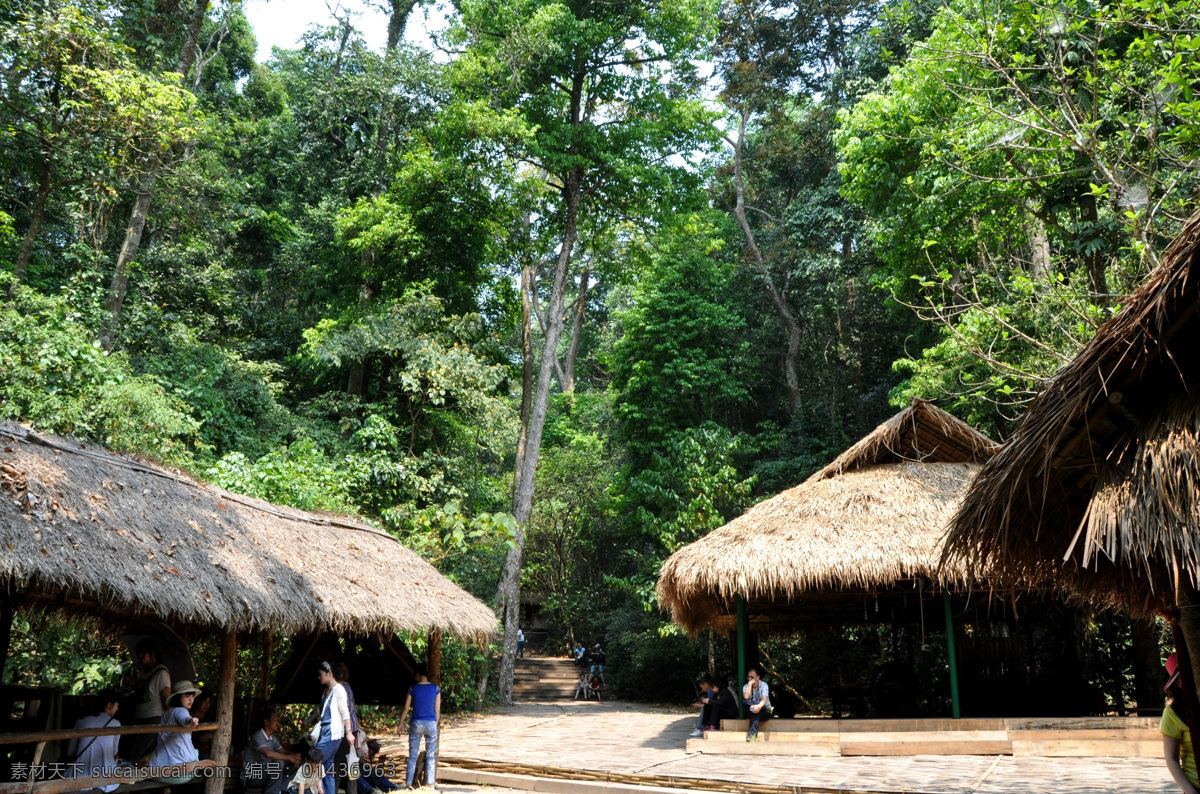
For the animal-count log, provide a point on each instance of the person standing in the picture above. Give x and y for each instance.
(520, 643)
(332, 722)
(1177, 737)
(757, 697)
(96, 756)
(425, 701)
(153, 690)
(341, 674)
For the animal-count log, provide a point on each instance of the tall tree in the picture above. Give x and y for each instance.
(605, 93)
(152, 164)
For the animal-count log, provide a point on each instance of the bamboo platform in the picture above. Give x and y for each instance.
(599, 744)
(1085, 737)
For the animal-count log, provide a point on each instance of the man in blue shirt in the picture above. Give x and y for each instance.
(425, 701)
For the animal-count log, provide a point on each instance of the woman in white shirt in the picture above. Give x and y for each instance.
(333, 721)
(96, 756)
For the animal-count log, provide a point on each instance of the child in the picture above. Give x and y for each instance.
(581, 687)
(310, 775)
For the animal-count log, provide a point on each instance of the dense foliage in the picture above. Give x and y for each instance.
(750, 230)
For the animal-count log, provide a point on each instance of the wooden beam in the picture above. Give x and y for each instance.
(224, 695)
(85, 733)
(83, 783)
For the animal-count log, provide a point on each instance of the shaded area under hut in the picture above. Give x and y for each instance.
(1099, 488)
(92, 533)
(860, 543)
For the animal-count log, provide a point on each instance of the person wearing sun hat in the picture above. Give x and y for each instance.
(174, 749)
(1177, 737)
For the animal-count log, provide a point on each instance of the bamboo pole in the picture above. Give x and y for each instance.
(955, 710)
(224, 736)
(743, 648)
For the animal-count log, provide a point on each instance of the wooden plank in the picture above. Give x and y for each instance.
(1089, 749)
(1079, 723)
(66, 785)
(928, 736)
(921, 725)
(765, 748)
(84, 733)
(926, 748)
(784, 726)
(1115, 734)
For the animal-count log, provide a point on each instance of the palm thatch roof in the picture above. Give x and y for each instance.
(872, 518)
(1098, 487)
(87, 529)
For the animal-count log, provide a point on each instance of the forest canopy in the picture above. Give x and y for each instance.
(576, 283)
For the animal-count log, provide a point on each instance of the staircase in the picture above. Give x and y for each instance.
(542, 678)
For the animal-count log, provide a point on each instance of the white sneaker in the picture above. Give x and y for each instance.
(696, 732)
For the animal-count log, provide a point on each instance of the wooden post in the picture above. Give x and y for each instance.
(955, 710)
(267, 639)
(6, 621)
(224, 695)
(743, 648)
(435, 655)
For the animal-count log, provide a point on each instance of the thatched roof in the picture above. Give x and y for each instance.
(1097, 488)
(84, 528)
(872, 518)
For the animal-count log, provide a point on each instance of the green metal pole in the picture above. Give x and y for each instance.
(743, 648)
(955, 711)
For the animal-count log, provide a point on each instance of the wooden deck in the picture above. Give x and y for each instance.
(648, 741)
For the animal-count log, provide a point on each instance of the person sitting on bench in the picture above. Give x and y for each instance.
(264, 759)
(722, 705)
(96, 756)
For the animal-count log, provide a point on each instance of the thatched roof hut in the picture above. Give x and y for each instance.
(87, 529)
(1099, 487)
(869, 520)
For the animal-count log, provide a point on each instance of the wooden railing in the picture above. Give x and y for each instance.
(37, 784)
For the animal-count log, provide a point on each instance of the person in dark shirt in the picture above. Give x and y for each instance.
(722, 705)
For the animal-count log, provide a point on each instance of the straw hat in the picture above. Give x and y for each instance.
(181, 688)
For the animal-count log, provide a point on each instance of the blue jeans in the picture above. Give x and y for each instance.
(762, 716)
(328, 749)
(417, 729)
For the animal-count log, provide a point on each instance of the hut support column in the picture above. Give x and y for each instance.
(224, 697)
(955, 711)
(6, 621)
(743, 649)
(435, 656)
(1189, 623)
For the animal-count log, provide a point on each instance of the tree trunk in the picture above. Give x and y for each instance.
(568, 385)
(129, 250)
(778, 300)
(1039, 256)
(1093, 259)
(398, 20)
(35, 224)
(510, 585)
(223, 738)
(1189, 625)
(145, 192)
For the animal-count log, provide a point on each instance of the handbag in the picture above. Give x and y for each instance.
(352, 770)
